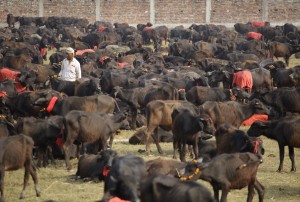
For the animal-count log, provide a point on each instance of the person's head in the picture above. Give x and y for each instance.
(70, 53)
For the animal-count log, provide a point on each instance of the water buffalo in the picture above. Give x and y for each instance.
(44, 133)
(165, 188)
(188, 128)
(199, 94)
(124, 178)
(285, 131)
(164, 167)
(230, 140)
(226, 172)
(158, 114)
(16, 153)
(91, 127)
(94, 165)
(233, 112)
(61, 105)
(282, 99)
(285, 50)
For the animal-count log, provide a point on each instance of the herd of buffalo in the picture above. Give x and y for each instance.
(194, 88)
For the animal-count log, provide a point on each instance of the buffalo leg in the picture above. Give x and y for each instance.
(67, 156)
(183, 151)
(190, 150)
(216, 192)
(134, 116)
(175, 147)
(250, 191)
(2, 183)
(148, 134)
(281, 157)
(35, 180)
(195, 148)
(26, 178)
(180, 148)
(40, 157)
(287, 60)
(292, 157)
(224, 193)
(260, 190)
(50, 155)
(155, 138)
(111, 139)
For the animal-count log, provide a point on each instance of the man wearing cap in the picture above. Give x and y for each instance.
(70, 67)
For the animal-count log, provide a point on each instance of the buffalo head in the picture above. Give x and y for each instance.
(107, 157)
(258, 128)
(259, 107)
(192, 170)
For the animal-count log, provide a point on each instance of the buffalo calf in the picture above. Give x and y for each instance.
(95, 166)
(16, 153)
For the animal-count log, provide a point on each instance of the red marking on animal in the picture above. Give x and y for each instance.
(10, 74)
(43, 51)
(258, 24)
(147, 28)
(122, 64)
(254, 35)
(80, 52)
(243, 79)
(255, 117)
(52, 103)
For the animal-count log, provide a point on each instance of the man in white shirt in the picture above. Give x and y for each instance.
(70, 67)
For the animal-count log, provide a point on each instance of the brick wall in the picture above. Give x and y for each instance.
(284, 10)
(232, 11)
(18, 8)
(166, 11)
(70, 8)
(130, 11)
(179, 11)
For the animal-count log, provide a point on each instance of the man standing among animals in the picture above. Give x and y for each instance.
(70, 67)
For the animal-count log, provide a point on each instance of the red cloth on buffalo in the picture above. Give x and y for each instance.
(43, 51)
(102, 28)
(59, 141)
(147, 28)
(122, 64)
(254, 35)
(116, 199)
(10, 74)
(103, 58)
(255, 117)
(80, 52)
(258, 24)
(243, 79)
